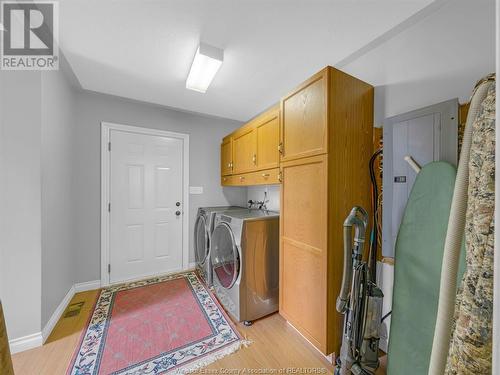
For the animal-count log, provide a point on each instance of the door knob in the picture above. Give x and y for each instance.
(177, 213)
(177, 204)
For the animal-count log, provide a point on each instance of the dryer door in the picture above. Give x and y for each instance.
(200, 240)
(224, 255)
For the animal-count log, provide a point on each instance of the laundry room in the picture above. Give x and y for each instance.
(249, 187)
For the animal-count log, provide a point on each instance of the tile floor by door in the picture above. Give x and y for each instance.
(275, 345)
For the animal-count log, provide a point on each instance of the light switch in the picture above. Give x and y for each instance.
(196, 190)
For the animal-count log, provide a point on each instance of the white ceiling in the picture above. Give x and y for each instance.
(143, 49)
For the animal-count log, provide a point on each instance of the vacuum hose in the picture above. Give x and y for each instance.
(453, 243)
(354, 254)
(372, 255)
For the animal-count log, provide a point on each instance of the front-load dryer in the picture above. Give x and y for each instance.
(203, 228)
(244, 252)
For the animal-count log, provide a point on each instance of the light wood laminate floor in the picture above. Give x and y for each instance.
(275, 345)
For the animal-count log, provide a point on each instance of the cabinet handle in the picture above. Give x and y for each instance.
(280, 176)
(280, 148)
(254, 159)
(265, 175)
(242, 178)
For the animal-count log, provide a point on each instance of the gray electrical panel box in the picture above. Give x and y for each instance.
(426, 135)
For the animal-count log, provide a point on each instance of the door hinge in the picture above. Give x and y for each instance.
(109, 207)
(109, 268)
(109, 146)
(280, 176)
(280, 148)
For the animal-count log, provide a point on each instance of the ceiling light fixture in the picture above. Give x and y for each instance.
(206, 64)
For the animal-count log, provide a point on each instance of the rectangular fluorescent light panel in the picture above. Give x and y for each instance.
(206, 64)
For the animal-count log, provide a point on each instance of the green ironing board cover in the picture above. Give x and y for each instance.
(417, 269)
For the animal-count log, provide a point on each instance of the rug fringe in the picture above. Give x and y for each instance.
(211, 358)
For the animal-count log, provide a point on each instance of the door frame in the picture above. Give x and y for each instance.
(106, 128)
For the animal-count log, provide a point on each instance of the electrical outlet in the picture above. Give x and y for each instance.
(196, 190)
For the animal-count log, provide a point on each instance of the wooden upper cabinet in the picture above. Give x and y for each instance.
(252, 148)
(226, 156)
(304, 112)
(268, 136)
(244, 150)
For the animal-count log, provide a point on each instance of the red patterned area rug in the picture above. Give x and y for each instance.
(169, 324)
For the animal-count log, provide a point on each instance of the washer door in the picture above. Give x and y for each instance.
(224, 256)
(201, 240)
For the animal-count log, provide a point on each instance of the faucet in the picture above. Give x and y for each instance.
(261, 205)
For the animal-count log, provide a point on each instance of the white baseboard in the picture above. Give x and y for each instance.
(383, 344)
(88, 285)
(37, 339)
(25, 343)
(76, 288)
(46, 331)
(385, 281)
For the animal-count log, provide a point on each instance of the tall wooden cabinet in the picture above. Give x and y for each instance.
(326, 144)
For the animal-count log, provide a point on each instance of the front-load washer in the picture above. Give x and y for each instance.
(203, 228)
(244, 252)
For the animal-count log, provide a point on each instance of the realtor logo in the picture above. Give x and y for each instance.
(30, 39)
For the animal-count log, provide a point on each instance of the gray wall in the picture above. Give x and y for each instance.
(50, 185)
(20, 201)
(57, 139)
(205, 136)
(257, 193)
(37, 258)
(438, 58)
(42, 176)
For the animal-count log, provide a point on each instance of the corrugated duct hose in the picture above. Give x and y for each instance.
(443, 360)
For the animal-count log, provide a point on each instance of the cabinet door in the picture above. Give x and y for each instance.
(244, 151)
(303, 248)
(304, 119)
(267, 133)
(226, 159)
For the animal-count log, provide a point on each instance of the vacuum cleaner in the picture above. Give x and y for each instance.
(360, 299)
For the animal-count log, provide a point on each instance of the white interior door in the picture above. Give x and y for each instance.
(146, 208)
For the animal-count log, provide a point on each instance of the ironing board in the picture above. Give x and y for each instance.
(417, 270)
